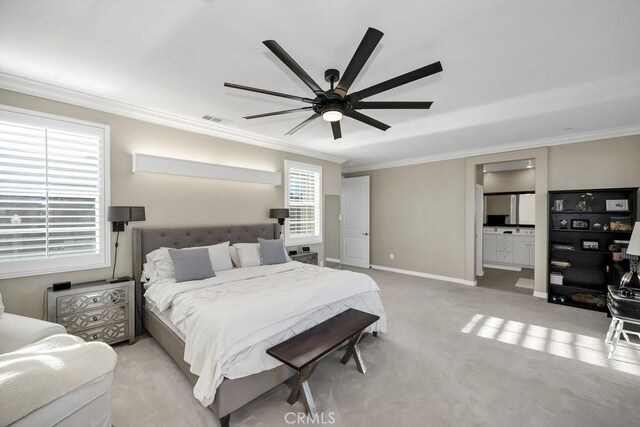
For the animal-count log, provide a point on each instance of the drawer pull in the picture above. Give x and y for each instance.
(94, 336)
(95, 318)
(95, 299)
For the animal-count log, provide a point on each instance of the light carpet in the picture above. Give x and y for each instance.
(454, 355)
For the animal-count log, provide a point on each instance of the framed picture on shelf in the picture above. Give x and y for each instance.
(620, 223)
(579, 224)
(564, 224)
(618, 205)
(590, 245)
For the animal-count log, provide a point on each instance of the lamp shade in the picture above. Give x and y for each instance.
(125, 213)
(279, 213)
(634, 243)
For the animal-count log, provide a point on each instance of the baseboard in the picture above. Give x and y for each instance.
(540, 294)
(336, 260)
(503, 267)
(426, 275)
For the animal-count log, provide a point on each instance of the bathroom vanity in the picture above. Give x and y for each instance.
(508, 247)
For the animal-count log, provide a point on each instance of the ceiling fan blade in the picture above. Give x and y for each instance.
(366, 119)
(364, 51)
(269, 92)
(278, 51)
(391, 105)
(277, 113)
(420, 73)
(303, 124)
(337, 131)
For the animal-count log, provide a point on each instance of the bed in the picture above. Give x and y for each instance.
(242, 370)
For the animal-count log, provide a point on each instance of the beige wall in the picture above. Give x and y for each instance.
(606, 163)
(332, 226)
(509, 181)
(424, 213)
(169, 200)
(417, 213)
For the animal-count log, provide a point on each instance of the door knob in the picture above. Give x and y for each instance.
(365, 234)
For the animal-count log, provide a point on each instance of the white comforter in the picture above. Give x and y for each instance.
(230, 320)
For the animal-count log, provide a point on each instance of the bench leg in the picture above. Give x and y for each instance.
(354, 351)
(301, 390)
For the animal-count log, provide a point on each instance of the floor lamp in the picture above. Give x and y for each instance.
(119, 216)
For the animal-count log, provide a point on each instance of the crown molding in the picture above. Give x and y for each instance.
(44, 90)
(523, 145)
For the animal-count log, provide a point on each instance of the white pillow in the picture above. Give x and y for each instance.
(161, 266)
(248, 254)
(1, 305)
(233, 253)
(220, 257)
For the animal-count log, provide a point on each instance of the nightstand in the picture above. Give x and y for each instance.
(95, 311)
(306, 257)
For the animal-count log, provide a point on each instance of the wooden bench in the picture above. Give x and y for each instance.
(305, 350)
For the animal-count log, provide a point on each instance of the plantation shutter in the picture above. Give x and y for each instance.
(304, 194)
(50, 193)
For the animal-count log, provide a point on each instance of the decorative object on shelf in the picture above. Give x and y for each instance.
(597, 226)
(614, 247)
(579, 224)
(280, 214)
(556, 278)
(605, 227)
(558, 206)
(560, 263)
(564, 224)
(620, 223)
(563, 246)
(584, 298)
(631, 279)
(584, 202)
(618, 205)
(590, 245)
(119, 216)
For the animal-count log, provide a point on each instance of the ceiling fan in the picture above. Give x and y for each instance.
(336, 102)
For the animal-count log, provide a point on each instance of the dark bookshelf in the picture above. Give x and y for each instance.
(585, 281)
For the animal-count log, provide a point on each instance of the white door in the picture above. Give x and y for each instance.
(354, 238)
(479, 228)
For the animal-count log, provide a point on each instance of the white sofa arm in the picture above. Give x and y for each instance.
(18, 331)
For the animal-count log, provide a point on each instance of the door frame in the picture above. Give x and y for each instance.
(541, 156)
(479, 212)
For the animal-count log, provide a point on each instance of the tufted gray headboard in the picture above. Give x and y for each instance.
(146, 240)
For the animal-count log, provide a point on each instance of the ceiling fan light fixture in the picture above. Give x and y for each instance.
(332, 115)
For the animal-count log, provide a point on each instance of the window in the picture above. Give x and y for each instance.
(53, 194)
(303, 196)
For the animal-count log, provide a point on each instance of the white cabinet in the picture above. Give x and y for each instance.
(489, 247)
(515, 249)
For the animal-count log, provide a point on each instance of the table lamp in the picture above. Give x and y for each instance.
(631, 279)
(281, 214)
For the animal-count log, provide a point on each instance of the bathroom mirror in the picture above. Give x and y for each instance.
(509, 209)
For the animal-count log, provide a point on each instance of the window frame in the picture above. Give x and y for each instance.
(33, 267)
(310, 240)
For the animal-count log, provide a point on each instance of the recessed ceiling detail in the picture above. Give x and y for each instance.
(335, 103)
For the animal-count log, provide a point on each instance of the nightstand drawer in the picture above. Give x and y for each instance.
(107, 333)
(93, 318)
(91, 300)
(306, 257)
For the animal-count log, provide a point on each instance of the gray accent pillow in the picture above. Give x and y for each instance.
(191, 264)
(272, 251)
